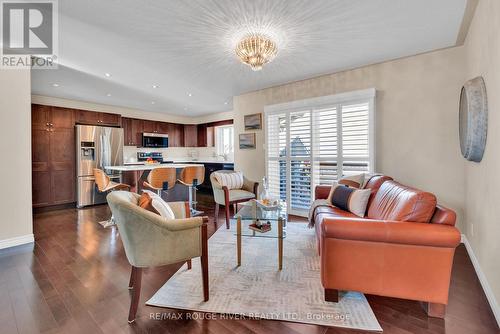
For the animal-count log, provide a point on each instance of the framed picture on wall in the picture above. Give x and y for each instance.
(247, 141)
(253, 122)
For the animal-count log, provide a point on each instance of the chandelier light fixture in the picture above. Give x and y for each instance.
(256, 50)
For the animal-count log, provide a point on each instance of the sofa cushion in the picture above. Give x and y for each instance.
(395, 201)
(373, 183)
(238, 195)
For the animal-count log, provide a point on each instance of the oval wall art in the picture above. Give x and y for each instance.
(473, 119)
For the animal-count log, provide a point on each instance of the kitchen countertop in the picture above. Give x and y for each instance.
(142, 167)
(187, 161)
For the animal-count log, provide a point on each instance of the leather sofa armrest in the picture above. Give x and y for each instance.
(322, 192)
(395, 232)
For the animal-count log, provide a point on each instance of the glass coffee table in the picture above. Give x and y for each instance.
(251, 215)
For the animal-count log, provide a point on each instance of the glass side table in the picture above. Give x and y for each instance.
(252, 214)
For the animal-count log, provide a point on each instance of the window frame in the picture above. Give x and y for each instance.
(216, 138)
(313, 105)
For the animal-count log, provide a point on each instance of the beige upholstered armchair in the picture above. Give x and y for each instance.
(226, 197)
(150, 240)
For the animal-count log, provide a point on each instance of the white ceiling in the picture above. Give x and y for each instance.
(187, 47)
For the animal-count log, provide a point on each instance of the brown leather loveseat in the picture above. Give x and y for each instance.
(403, 247)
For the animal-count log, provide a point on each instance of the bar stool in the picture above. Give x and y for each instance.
(105, 185)
(191, 177)
(161, 179)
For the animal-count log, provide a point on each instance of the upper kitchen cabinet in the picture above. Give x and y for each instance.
(46, 117)
(149, 126)
(97, 118)
(175, 135)
(132, 130)
(162, 127)
(190, 135)
(110, 119)
(202, 135)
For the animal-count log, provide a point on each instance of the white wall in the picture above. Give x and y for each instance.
(482, 184)
(16, 225)
(416, 119)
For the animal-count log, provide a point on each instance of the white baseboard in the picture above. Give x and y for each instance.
(482, 279)
(17, 241)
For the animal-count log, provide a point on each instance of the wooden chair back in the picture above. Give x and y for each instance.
(101, 179)
(191, 173)
(158, 176)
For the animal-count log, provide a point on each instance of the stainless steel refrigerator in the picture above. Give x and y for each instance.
(96, 147)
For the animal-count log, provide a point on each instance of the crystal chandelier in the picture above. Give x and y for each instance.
(256, 50)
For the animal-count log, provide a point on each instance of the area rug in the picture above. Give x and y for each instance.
(258, 289)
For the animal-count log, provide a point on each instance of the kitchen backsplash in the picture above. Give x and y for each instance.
(188, 153)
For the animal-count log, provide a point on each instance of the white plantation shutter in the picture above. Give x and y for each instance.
(300, 160)
(317, 141)
(326, 145)
(355, 138)
(276, 151)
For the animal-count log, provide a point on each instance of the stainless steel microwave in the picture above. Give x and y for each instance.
(154, 140)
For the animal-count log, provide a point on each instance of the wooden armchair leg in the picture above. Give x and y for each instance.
(227, 215)
(134, 303)
(132, 277)
(332, 295)
(216, 218)
(204, 261)
(189, 264)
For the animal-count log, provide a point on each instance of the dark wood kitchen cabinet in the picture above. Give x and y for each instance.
(190, 135)
(132, 130)
(163, 127)
(53, 155)
(149, 126)
(176, 135)
(97, 118)
(202, 135)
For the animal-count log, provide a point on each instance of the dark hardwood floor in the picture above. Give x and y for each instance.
(74, 280)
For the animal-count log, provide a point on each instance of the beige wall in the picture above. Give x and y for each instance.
(128, 112)
(15, 150)
(416, 119)
(482, 184)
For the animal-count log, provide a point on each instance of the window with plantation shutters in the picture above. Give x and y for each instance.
(317, 141)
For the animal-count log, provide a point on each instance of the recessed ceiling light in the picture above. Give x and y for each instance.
(55, 85)
(155, 86)
(109, 94)
(225, 102)
(189, 94)
(107, 75)
(153, 102)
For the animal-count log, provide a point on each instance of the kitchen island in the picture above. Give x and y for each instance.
(136, 173)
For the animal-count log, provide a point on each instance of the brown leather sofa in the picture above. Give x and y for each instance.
(403, 248)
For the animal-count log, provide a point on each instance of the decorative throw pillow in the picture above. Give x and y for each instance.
(354, 181)
(230, 180)
(161, 207)
(146, 202)
(350, 199)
